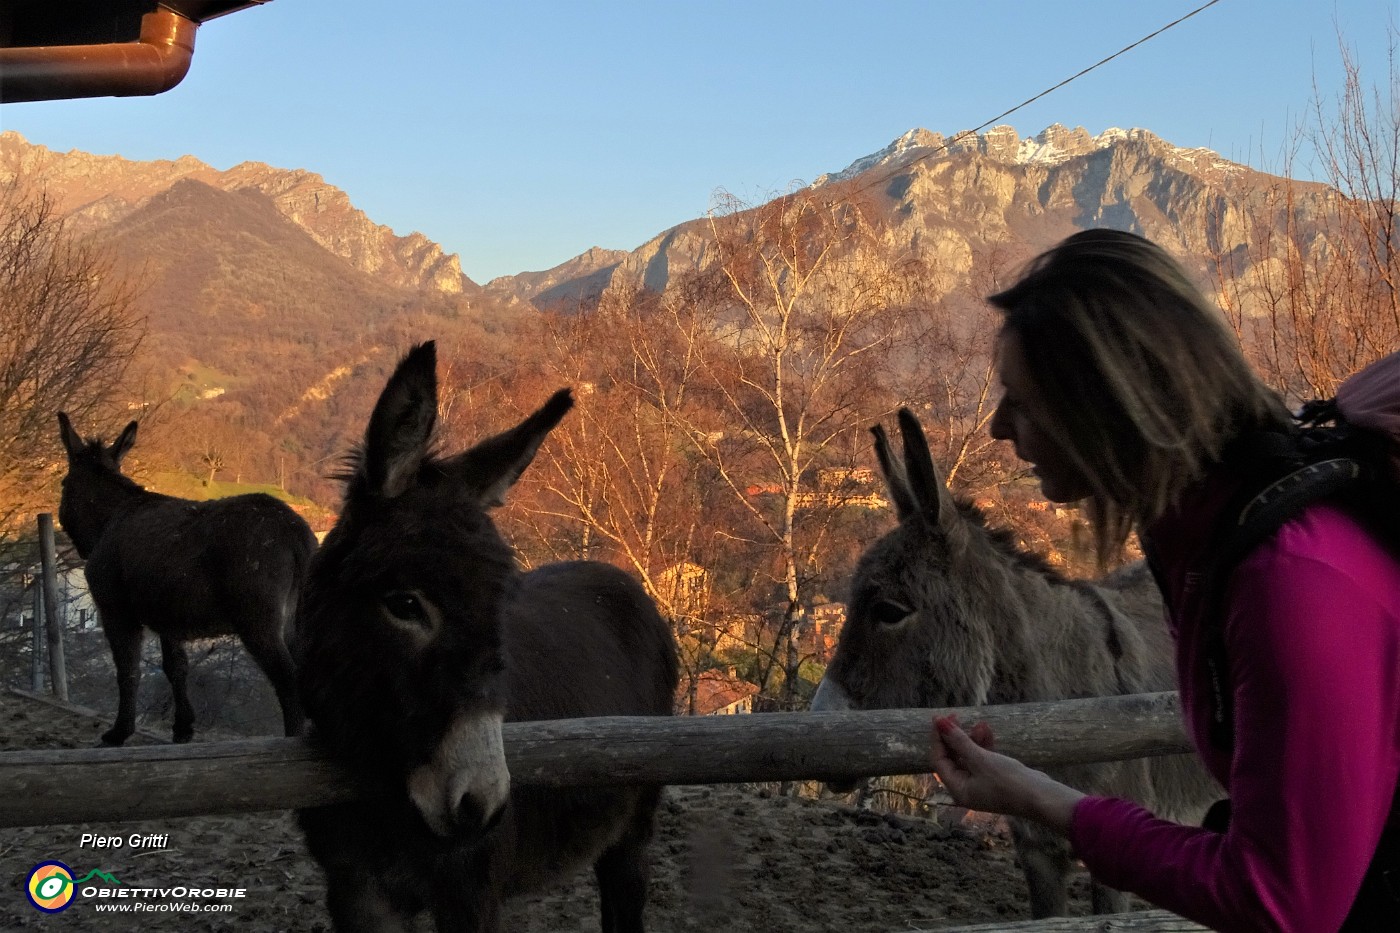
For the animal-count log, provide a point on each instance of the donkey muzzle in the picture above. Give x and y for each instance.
(830, 698)
(464, 787)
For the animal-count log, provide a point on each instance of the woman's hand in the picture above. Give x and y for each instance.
(981, 779)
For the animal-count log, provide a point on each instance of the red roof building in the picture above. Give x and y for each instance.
(720, 693)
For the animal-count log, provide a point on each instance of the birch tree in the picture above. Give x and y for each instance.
(621, 482)
(806, 304)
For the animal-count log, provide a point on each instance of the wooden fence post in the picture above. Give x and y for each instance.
(48, 572)
(36, 638)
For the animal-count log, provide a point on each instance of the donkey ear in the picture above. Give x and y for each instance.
(905, 505)
(935, 502)
(72, 442)
(124, 442)
(493, 466)
(401, 426)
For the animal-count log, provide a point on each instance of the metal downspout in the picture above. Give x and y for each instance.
(156, 62)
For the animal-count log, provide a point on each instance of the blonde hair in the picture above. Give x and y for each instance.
(1137, 372)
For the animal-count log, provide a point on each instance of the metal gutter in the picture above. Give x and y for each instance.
(156, 62)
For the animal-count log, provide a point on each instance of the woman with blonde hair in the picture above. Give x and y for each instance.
(1125, 390)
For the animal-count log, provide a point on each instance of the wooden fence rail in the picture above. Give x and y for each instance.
(1142, 921)
(40, 788)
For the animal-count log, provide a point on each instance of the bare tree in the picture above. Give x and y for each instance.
(70, 329)
(805, 302)
(1313, 292)
(211, 458)
(620, 483)
(949, 375)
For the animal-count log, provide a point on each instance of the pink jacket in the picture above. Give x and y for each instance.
(1313, 641)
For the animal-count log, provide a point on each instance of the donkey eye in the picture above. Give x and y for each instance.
(885, 612)
(405, 607)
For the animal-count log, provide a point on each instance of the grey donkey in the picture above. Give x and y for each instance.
(947, 612)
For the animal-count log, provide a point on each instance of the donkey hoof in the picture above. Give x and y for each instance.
(181, 736)
(114, 737)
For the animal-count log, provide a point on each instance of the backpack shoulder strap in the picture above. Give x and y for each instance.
(1253, 516)
(1284, 498)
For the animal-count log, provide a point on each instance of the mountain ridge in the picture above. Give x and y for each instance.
(947, 198)
(98, 190)
(275, 304)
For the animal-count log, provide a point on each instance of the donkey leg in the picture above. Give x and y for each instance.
(1106, 900)
(176, 664)
(355, 862)
(622, 870)
(466, 897)
(357, 904)
(271, 654)
(124, 637)
(1045, 860)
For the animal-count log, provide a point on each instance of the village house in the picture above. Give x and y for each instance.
(719, 693)
(685, 589)
(76, 610)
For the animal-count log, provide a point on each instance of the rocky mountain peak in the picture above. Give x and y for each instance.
(587, 273)
(1051, 146)
(947, 198)
(96, 190)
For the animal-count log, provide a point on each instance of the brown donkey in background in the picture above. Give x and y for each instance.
(185, 570)
(418, 636)
(945, 612)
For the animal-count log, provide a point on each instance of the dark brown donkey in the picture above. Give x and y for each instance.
(418, 636)
(183, 569)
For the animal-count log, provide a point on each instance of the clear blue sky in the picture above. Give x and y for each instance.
(519, 134)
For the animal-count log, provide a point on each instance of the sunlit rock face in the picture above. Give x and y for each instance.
(965, 201)
(100, 190)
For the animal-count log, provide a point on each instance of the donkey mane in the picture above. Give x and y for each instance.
(1004, 540)
(351, 464)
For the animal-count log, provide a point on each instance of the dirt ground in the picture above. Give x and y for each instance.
(726, 858)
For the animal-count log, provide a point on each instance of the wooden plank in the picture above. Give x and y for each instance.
(1143, 921)
(44, 787)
